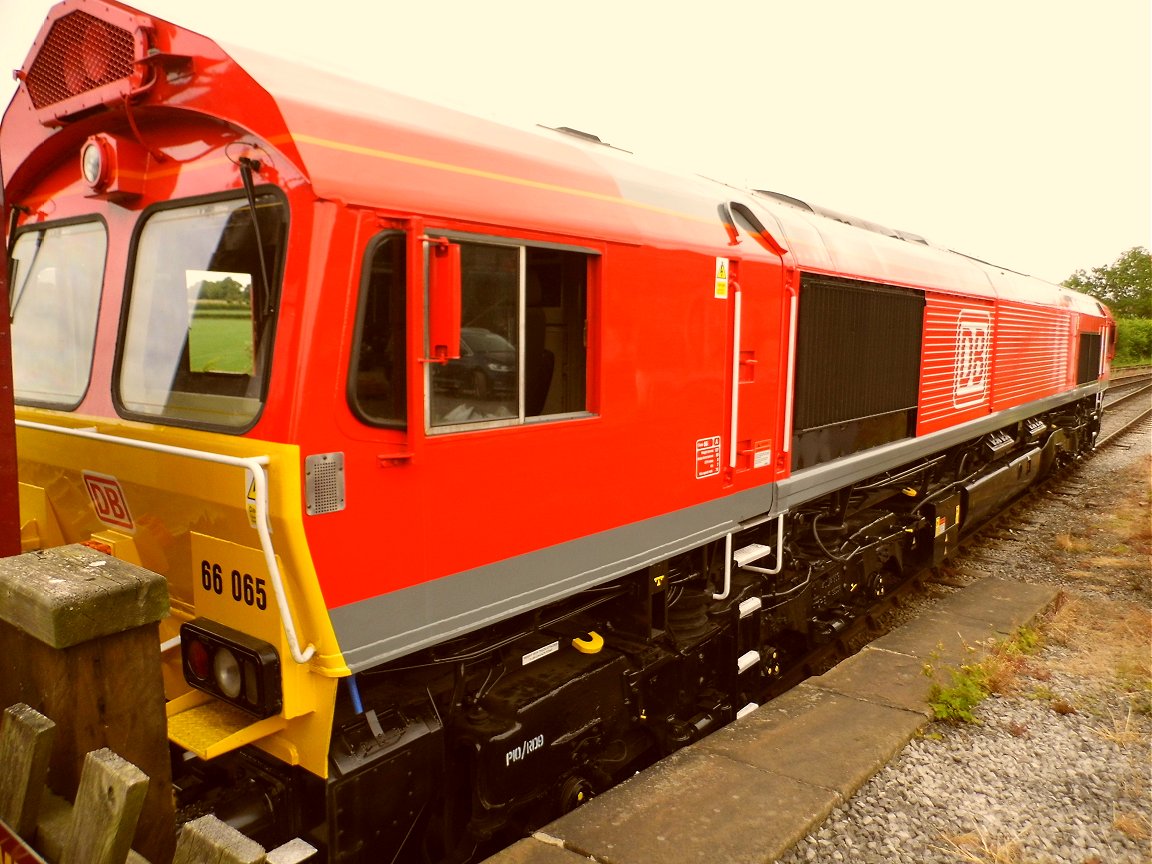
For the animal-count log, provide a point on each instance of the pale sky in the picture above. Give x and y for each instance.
(1017, 131)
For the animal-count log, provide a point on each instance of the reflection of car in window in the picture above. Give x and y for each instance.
(487, 365)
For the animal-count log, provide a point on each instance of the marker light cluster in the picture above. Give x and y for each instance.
(232, 666)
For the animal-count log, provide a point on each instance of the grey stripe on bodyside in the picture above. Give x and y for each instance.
(830, 476)
(391, 625)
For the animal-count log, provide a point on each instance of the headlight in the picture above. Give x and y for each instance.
(232, 666)
(227, 672)
(93, 163)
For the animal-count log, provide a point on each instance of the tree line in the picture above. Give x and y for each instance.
(1125, 286)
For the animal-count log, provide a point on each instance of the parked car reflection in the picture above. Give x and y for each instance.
(487, 366)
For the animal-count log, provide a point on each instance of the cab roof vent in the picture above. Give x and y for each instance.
(81, 53)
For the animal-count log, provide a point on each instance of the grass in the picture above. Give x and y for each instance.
(1068, 543)
(1121, 733)
(1109, 645)
(980, 847)
(221, 343)
(1133, 825)
(1099, 633)
(970, 684)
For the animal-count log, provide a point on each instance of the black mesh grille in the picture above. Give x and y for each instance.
(857, 367)
(1088, 363)
(80, 54)
(857, 351)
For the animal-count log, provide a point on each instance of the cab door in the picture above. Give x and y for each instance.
(754, 296)
(755, 286)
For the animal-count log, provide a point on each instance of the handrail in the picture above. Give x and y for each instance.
(734, 420)
(255, 464)
(790, 380)
(770, 571)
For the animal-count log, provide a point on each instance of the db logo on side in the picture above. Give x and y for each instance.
(108, 500)
(973, 358)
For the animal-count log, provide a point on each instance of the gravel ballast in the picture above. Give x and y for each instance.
(1057, 768)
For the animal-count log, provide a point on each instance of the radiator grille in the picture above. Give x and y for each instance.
(1088, 361)
(324, 481)
(857, 367)
(857, 351)
(80, 53)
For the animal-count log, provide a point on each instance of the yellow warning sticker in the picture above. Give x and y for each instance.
(250, 496)
(721, 279)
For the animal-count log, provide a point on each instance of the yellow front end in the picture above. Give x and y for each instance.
(187, 505)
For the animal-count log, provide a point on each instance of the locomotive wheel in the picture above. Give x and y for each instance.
(877, 584)
(574, 791)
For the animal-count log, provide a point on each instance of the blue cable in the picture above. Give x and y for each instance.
(354, 692)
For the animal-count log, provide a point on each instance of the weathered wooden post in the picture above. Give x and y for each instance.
(79, 643)
(25, 747)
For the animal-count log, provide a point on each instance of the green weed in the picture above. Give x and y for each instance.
(955, 701)
(972, 683)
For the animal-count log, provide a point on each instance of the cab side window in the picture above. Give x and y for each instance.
(377, 387)
(56, 275)
(523, 346)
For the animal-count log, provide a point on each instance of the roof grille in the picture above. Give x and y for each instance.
(80, 53)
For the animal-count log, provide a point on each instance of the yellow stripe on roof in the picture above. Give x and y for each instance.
(450, 167)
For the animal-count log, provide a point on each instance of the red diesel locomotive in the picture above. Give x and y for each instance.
(484, 465)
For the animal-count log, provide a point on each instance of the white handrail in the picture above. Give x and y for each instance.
(770, 571)
(790, 381)
(255, 464)
(734, 428)
(723, 595)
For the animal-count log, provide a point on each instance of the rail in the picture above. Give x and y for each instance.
(255, 464)
(1126, 388)
(1139, 417)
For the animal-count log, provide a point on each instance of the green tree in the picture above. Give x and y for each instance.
(226, 289)
(1125, 285)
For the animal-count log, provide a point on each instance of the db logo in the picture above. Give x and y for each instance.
(109, 501)
(973, 350)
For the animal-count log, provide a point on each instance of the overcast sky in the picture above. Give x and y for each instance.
(1017, 131)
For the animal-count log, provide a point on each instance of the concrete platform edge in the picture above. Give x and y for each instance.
(876, 703)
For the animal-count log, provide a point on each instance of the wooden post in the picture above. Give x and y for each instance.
(79, 642)
(207, 839)
(107, 806)
(25, 746)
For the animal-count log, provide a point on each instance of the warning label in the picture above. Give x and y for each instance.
(721, 278)
(762, 458)
(707, 457)
(250, 496)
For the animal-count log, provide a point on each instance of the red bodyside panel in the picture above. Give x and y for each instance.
(1031, 355)
(956, 364)
(466, 499)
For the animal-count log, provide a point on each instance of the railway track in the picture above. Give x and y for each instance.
(1128, 386)
(906, 600)
(982, 781)
(1128, 402)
